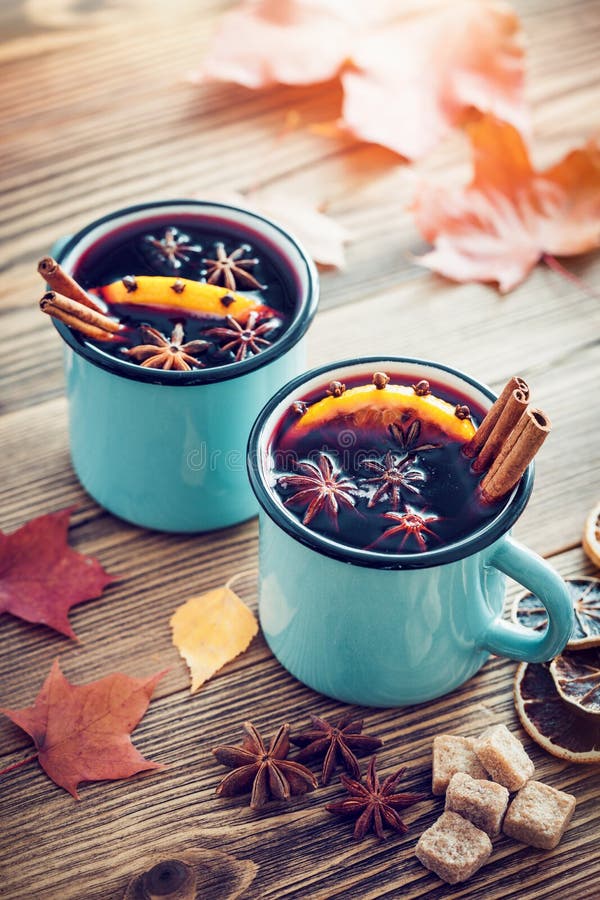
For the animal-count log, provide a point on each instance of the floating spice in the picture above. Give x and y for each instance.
(409, 524)
(517, 451)
(171, 250)
(407, 438)
(319, 486)
(81, 318)
(244, 340)
(63, 284)
(493, 414)
(336, 388)
(231, 269)
(160, 352)
(394, 476)
(421, 388)
(381, 380)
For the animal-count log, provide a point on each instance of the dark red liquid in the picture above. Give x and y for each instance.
(400, 486)
(128, 251)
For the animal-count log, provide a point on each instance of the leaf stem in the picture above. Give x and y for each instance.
(18, 765)
(553, 263)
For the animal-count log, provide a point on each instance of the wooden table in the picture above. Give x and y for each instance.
(98, 114)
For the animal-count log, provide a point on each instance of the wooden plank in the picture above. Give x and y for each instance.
(298, 848)
(112, 122)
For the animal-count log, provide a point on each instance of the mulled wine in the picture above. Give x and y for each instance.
(377, 463)
(186, 296)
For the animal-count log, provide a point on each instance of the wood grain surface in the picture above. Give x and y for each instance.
(97, 112)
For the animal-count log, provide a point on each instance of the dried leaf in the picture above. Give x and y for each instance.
(41, 577)
(321, 236)
(263, 42)
(81, 732)
(211, 630)
(406, 82)
(414, 80)
(509, 216)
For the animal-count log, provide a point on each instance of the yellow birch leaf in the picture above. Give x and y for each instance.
(211, 630)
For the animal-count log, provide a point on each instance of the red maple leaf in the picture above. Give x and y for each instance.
(510, 216)
(41, 577)
(81, 732)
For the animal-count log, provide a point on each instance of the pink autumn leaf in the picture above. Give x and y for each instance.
(510, 216)
(418, 77)
(322, 237)
(263, 42)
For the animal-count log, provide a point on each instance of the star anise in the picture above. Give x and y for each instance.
(393, 476)
(173, 247)
(244, 339)
(373, 803)
(321, 486)
(407, 438)
(336, 744)
(167, 353)
(409, 523)
(226, 268)
(267, 773)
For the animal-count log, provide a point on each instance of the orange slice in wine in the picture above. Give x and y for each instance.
(370, 408)
(181, 295)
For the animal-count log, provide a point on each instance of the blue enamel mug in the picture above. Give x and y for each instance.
(166, 449)
(390, 629)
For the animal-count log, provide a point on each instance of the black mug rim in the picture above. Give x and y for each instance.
(293, 334)
(478, 540)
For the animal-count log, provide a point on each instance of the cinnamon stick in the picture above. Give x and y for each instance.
(523, 443)
(63, 284)
(79, 317)
(493, 414)
(505, 423)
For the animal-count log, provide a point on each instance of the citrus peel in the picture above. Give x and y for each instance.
(368, 406)
(180, 294)
(556, 726)
(576, 676)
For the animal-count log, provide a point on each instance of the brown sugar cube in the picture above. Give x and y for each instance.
(453, 848)
(481, 802)
(453, 754)
(503, 756)
(539, 815)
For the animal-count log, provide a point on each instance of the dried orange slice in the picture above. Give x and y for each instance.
(368, 406)
(576, 676)
(180, 294)
(528, 610)
(591, 535)
(556, 726)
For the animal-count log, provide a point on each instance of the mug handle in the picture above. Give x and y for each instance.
(515, 641)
